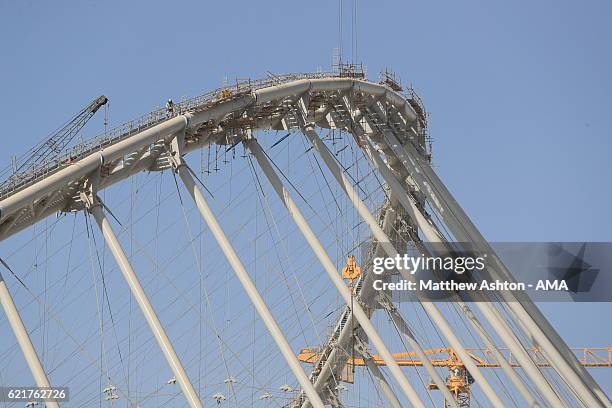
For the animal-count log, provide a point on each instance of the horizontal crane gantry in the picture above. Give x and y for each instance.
(446, 357)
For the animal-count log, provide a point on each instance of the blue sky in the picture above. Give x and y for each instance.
(519, 92)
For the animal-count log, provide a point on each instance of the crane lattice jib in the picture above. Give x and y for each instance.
(47, 151)
(447, 357)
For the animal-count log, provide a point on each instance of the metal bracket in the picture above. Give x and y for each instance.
(385, 302)
(248, 135)
(302, 114)
(89, 191)
(332, 398)
(175, 150)
(362, 348)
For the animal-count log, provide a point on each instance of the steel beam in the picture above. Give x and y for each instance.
(24, 341)
(329, 267)
(248, 285)
(489, 312)
(409, 337)
(345, 327)
(382, 238)
(438, 195)
(139, 294)
(528, 315)
(383, 385)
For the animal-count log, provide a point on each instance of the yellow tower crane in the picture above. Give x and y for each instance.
(459, 380)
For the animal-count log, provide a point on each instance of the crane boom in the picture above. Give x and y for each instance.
(50, 148)
(446, 357)
(459, 380)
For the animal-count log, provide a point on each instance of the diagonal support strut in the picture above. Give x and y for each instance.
(23, 338)
(329, 267)
(243, 276)
(94, 206)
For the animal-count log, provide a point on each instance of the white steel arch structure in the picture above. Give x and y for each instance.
(389, 126)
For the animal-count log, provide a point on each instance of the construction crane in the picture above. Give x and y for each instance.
(52, 147)
(459, 380)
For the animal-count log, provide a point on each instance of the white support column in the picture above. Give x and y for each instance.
(249, 286)
(23, 338)
(528, 315)
(383, 239)
(383, 385)
(346, 333)
(329, 267)
(145, 305)
(489, 312)
(408, 336)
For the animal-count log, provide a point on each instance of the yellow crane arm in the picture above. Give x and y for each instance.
(446, 357)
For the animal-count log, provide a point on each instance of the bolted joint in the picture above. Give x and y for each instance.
(89, 200)
(88, 193)
(247, 135)
(333, 399)
(308, 127)
(386, 303)
(176, 161)
(361, 348)
(302, 114)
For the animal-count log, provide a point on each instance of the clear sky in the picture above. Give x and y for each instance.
(520, 92)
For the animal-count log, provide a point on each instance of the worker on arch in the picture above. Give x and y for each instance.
(170, 107)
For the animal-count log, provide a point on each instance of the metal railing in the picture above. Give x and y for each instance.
(17, 181)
